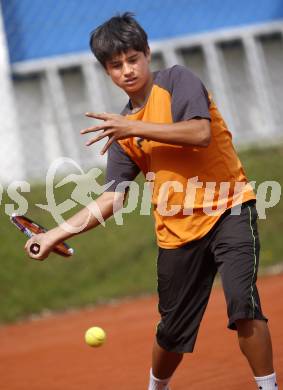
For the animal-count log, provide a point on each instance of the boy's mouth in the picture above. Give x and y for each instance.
(131, 81)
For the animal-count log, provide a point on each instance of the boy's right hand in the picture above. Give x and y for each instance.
(44, 243)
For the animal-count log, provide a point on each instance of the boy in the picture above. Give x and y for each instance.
(172, 128)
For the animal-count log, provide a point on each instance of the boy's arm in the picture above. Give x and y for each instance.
(193, 132)
(190, 110)
(82, 221)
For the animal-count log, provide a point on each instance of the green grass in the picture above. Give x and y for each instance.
(267, 165)
(114, 261)
(110, 262)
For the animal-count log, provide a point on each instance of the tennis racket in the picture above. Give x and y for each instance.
(30, 228)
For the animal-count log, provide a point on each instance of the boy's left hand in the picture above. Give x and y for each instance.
(114, 126)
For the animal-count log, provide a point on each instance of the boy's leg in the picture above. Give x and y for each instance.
(185, 278)
(236, 247)
(164, 363)
(255, 343)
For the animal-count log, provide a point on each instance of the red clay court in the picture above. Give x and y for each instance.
(50, 353)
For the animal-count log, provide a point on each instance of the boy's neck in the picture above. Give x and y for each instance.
(138, 99)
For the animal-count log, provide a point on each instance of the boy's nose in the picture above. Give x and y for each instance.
(128, 70)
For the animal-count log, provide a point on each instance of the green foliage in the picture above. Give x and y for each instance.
(110, 262)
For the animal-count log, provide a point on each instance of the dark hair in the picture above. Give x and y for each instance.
(117, 35)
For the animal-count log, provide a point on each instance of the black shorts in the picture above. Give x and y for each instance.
(186, 275)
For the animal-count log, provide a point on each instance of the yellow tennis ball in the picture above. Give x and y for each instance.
(95, 336)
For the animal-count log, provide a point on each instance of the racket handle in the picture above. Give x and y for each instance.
(35, 249)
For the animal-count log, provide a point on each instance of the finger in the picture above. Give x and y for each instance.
(103, 116)
(31, 255)
(31, 251)
(28, 243)
(98, 138)
(95, 128)
(107, 145)
(36, 257)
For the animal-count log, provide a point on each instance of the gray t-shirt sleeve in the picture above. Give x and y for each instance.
(120, 167)
(189, 97)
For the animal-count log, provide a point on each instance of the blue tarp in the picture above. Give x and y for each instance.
(43, 28)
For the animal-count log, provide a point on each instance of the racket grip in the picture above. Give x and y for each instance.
(35, 249)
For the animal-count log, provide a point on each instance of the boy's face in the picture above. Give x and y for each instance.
(129, 71)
